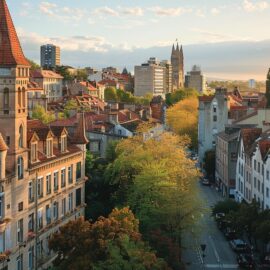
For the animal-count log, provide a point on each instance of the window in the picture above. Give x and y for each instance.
(55, 181)
(31, 223)
(214, 109)
(20, 206)
(64, 143)
(255, 165)
(20, 231)
(49, 148)
(78, 197)
(20, 168)
(215, 118)
(19, 262)
(55, 210)
(6, 98)
(259, 186)
(267, 192)
(21, 136)
(40, 187)
(70, 201)
(40, 218)
(63, 178)
(48, 214)
(30, 192)
(64, 207)
(255, 182)
(267, 175)
(48, 184)
(259, 167)
(34, 152)
(70, 174)
(78, 171)
(31, 258)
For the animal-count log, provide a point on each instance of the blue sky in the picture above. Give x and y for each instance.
(108, 25)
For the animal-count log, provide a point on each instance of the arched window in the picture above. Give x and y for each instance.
(21, 136)
(20, 168)
(6, 98)
(19, 97)
(23, 97)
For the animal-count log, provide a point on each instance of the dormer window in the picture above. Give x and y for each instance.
(49, 148)
(63, 143)
(34, 152)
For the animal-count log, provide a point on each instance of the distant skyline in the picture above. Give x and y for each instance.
(114, 27)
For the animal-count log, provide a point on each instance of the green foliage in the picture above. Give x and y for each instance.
(40, 113)
(33, 64)
(63, 71)
(108, 243)
(70, 105)
(209, 164)
(226, 206)
(181, 94)
(119, 95)
(81, 75)
(111, 151)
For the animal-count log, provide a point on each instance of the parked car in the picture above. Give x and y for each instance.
(265, 262)
(246, 261)
(239, 246)
(224, 224)
(230, 234)
(219, 217)
(205, 182)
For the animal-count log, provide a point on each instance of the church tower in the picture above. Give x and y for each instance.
(14, 77)
(177, 60)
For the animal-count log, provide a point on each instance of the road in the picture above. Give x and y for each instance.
(218, 252)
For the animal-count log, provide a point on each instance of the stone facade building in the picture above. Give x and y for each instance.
(177, 61)
(42, 169)
(195, 79)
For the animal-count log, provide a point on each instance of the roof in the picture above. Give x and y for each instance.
(89, 86)
(264, 146)
(249, 136)
(3, 146)
(33, 86)
(206, 98)
(10, 48)
(45, 74)
(79, 135)
(245, 117)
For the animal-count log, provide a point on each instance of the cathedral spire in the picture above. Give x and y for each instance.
(177, 47)
(173, 48)
(10, 49)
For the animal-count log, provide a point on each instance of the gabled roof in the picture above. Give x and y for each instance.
(79, 135)
(45, 74)
(249, 136)
(11, 53)
(264, 146)
(206, 98)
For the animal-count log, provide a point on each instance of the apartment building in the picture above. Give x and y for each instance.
(50, 81)
(150, 78)
(42, 169)
(49, 56)
(195, 79)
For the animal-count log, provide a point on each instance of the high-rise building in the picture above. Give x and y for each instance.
(150, 78)
(195, 79)
(177, 60)
(252, 83)
(49, 56)
(168, 75)
(42, 177)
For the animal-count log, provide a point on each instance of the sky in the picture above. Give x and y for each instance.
(109, 27)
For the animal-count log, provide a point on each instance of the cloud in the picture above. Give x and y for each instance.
(135, 11)
(161, 11)
(250, 6)
(200, 13)
(215, 11)
(105, 11)
(47, 8)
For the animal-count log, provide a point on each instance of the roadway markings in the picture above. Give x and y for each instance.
(214, 248)
(222, 266)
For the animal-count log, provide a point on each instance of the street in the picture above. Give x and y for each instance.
(218, 254)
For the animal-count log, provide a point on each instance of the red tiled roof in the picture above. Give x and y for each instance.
(264, 146)
(79, 136)
(10, 49)
(206, 98)
(89, 86)
(33, 86)
(238, 108)
(249, 135)
(126, 116)
(45, 74)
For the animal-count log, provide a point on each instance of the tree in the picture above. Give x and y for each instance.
(110, 94)
(81, 75)
(63, 71)
(210, 163)
(34, 65)
(183, 119)
(70, 105)
(109, 243)
(157, 180)
(40, 113)
(180, 94)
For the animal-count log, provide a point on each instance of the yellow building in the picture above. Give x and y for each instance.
(42, 169)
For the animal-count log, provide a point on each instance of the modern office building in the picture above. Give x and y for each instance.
(168, 75)
(150, 78)
(49, 56)
(42, 168)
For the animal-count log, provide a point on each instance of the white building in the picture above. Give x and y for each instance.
(213, 116)
(195, 79)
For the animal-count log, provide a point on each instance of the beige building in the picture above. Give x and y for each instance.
(177, 60)
(150, 78)
(195, 79)
(42, 169)
(168, 75)
(49, 56)
(51, 82)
